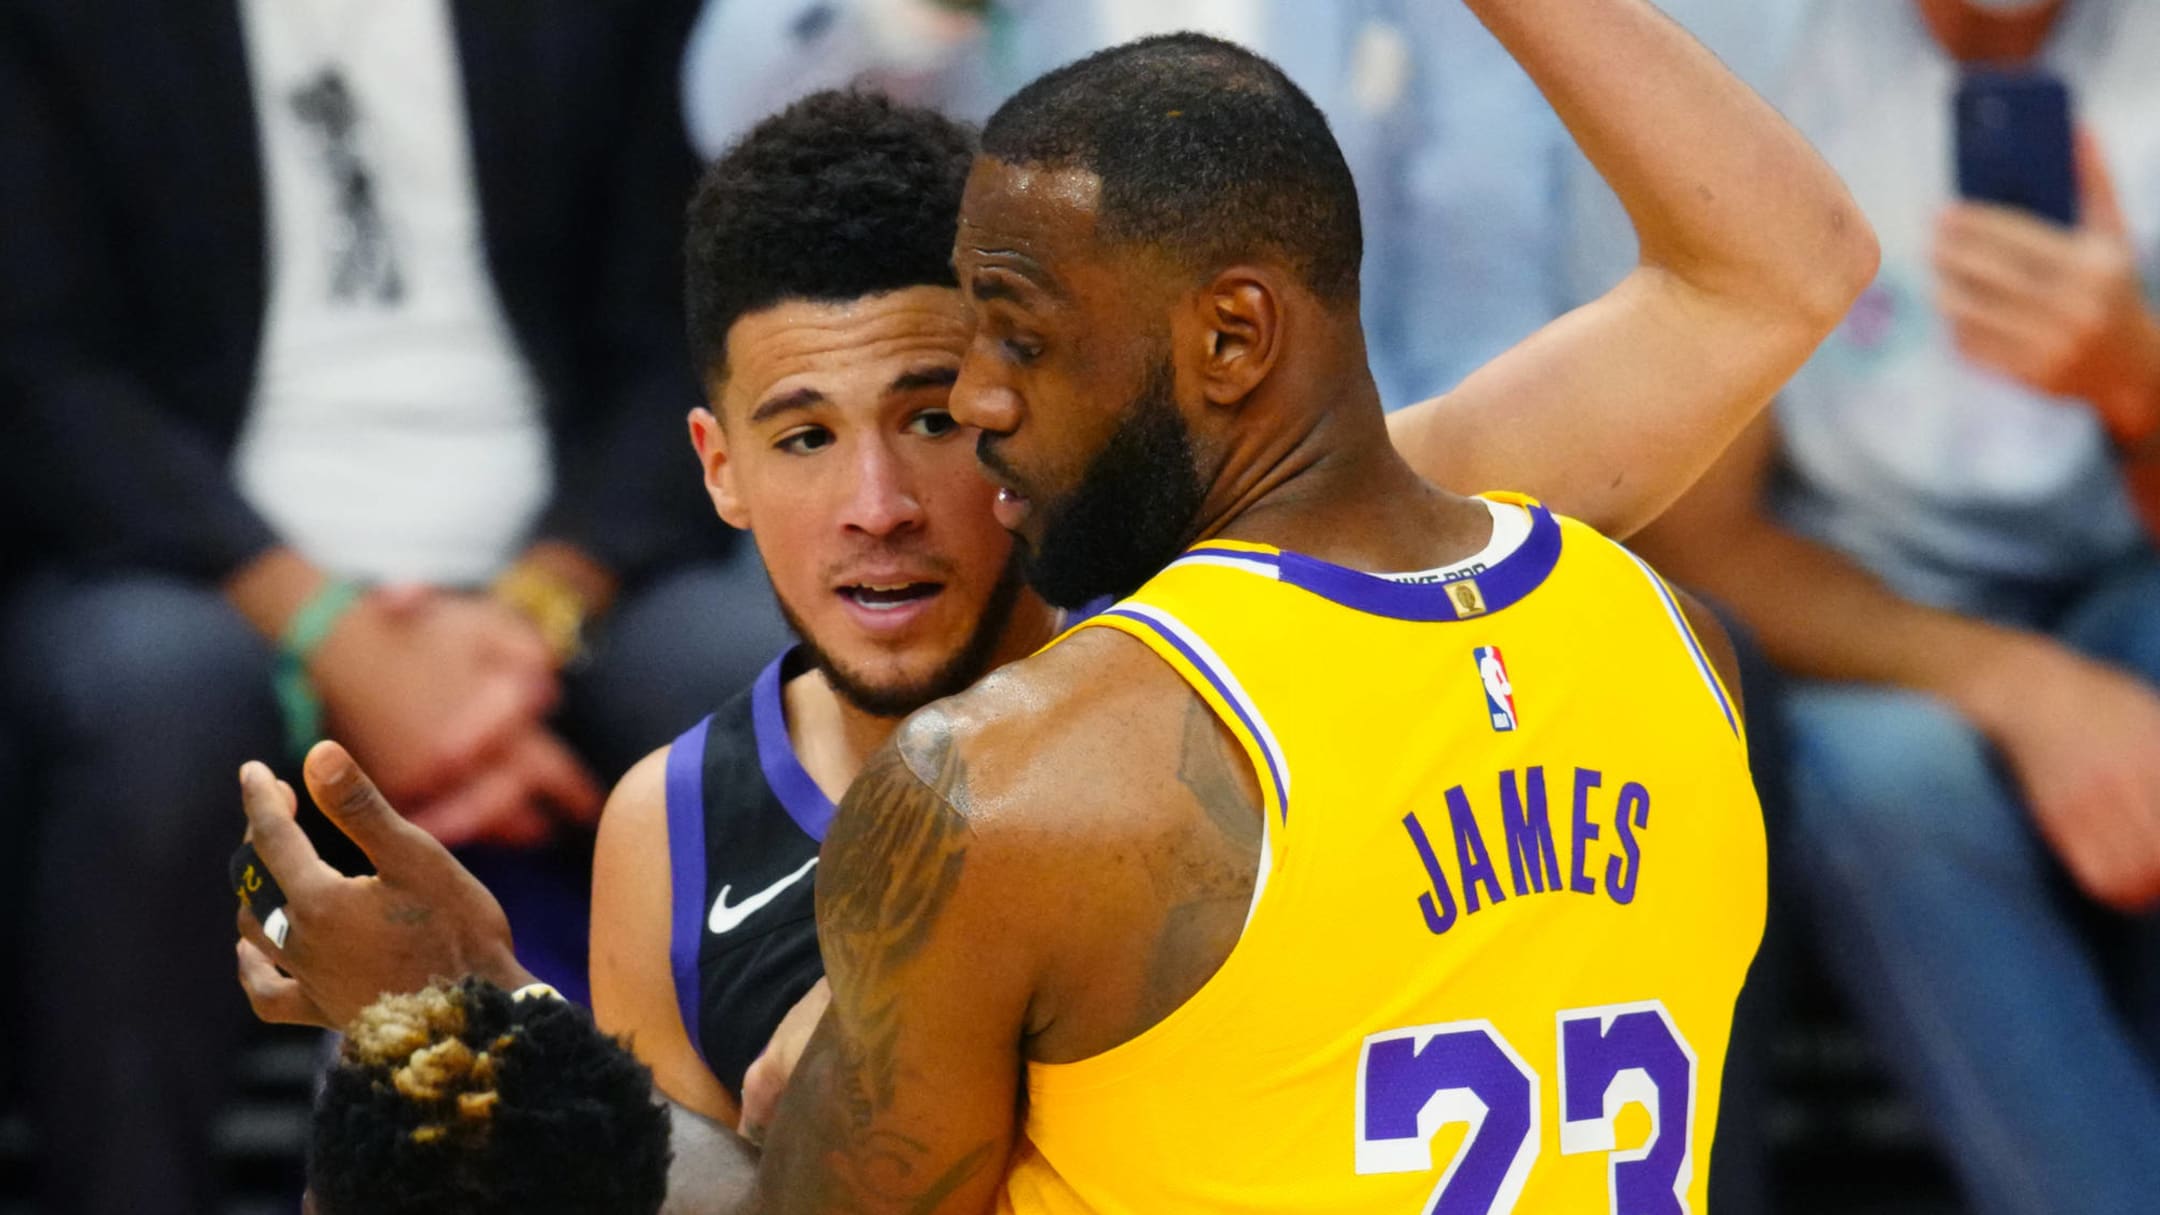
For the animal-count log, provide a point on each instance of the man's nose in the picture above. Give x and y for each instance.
(981, 398)
(883, 500)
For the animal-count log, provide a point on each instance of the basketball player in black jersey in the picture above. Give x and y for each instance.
(828, 346)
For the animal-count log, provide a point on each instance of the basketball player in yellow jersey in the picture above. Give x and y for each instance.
(1389, 851)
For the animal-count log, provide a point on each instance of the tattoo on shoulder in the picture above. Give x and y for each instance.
(1207, 767)
(895, 850)
(892, 860)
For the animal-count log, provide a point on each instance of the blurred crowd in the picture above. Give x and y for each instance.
(344, 387)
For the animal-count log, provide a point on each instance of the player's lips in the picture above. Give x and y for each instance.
(888, 604)
(1010, 508)
(1011, 504)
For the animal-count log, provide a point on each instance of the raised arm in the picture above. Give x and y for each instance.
(1751, 253)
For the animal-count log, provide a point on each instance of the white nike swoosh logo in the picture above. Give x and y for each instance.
(725, 918)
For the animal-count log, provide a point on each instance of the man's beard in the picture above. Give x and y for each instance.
(960, 671)
(1133, 511)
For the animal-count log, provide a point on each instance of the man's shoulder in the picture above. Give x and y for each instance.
(1062, 738)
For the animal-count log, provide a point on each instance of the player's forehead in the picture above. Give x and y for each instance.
(1027, 229)
(849, 352)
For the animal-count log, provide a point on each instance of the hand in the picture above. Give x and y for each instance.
(349, 940)
(2084, 740)
(769, 1073)
(2060, 310)
(518, 800)
(427, 686)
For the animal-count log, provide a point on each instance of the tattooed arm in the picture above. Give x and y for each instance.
(906, 1099)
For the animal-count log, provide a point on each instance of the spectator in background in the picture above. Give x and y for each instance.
(300, 297)
(1934, 533)
(1458, 161)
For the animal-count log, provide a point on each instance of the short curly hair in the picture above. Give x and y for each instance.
(844, 194)
(461, 1098)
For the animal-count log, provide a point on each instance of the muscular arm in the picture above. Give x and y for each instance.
(1751, 252)
(907, 1096)
(633, 982)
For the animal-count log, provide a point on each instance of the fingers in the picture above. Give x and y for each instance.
(555, 776)
(770, 1072)
(520, 644)
(2037, 246)
(762, 1086)
(276, 998)
(502, 707)
(2108, 836)
(507, 804)
(2100, 208)
(1985, 271)
(269, 804)
(351, 801)
(487, 808)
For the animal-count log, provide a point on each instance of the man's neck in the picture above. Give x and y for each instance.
(1971, 36)
(1329, 482)
(831, 737)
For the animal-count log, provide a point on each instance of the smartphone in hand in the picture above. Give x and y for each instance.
(2015, 144)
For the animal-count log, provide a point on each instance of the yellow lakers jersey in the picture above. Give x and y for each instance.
(1515, 876)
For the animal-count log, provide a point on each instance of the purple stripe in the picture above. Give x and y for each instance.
(1222, 689)
(1702, 661)
(799, 795)
(686, 868)
(1502, 586)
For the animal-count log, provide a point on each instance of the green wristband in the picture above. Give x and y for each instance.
(309, 627)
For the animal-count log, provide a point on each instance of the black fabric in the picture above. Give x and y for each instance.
(133, 279)
(750, 976)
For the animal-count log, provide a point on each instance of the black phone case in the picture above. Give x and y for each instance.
(2015, 144)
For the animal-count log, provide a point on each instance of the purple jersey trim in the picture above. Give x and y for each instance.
(686, 868)
(1502, 586)
(799, 795)
(1695, 650)
(1222, 688)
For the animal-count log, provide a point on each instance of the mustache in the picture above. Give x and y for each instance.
(890, 551)
(986, 454)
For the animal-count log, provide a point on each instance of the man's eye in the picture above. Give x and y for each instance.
(933, 424)
(803, 442)
(1021, 352)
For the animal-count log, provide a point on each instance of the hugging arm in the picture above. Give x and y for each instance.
(907, 1097)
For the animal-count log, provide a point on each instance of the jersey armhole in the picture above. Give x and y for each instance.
(686, 872)
(1204, 672)
(1696, 653)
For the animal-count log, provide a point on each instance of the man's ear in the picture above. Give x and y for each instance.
(709, 439)
(1237, 319)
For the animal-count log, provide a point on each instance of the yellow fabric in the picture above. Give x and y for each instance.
(1248, 1098)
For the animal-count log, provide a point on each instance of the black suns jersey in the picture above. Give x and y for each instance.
(744, 825)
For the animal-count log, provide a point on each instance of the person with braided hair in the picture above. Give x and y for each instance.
(466, 1097)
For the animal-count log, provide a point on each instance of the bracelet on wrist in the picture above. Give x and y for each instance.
(310, 626)
(554, 608)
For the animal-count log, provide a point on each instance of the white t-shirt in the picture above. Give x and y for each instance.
(395, 430)
(1956, 485)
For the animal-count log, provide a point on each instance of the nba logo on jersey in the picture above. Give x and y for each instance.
(1499, 691)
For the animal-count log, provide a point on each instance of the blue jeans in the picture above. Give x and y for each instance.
(134, 699)
(2016, 1012)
